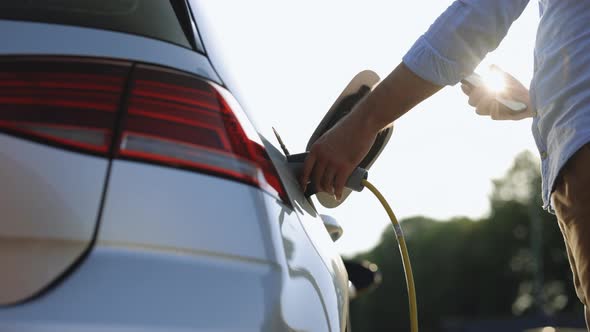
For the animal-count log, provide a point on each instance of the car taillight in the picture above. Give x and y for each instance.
(179, 120)
(70, 103)
(153, 115)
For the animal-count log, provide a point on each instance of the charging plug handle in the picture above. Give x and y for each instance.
(354, 181)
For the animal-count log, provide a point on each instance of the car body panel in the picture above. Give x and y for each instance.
(124, 288)
(335, 294)
(50, 201)
(159, 208)
(309, 297)
(150, 205)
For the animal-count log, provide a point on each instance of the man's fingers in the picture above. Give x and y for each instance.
(501, 112)
(476, 96)
(466, 88)
(307, 168)
(339, 182)
(485, 107)
(504, 113)
(494, 113)
(328, 179)
(318, 173)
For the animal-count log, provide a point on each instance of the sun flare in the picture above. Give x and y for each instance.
(494, 80)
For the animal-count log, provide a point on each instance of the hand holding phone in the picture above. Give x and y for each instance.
(498, 95)
(475, 81)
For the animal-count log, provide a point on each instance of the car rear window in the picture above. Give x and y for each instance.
(165, 20)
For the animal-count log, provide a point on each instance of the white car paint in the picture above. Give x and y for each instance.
(49, 200)
(176, 250)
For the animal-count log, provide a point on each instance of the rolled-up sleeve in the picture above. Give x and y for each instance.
(460, 38)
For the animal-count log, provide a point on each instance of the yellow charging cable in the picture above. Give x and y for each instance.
(405, 256)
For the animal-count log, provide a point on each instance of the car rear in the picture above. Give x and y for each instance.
(136, 193)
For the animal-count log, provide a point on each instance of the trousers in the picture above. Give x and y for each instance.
(571, 202)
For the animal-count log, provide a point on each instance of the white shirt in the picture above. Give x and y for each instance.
(560, 90)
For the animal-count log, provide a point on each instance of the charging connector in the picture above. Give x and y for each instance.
(354, 182)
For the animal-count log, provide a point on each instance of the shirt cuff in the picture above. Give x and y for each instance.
(430, 65)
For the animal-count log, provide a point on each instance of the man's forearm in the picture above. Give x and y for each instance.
(398, 93)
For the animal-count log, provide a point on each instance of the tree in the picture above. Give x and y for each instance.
(474, 269)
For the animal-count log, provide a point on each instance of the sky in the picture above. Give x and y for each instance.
(292, 59)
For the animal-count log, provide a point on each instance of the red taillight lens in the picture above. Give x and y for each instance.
(165, 117)
(179, 120)
(71, 103)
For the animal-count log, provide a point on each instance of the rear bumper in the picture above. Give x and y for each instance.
(171, 254)
(138, 289)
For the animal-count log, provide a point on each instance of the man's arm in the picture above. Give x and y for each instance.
(450, 50)
(460, 38)
(334, 156)
(398, 93)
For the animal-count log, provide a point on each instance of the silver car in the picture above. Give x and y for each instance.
(135, 194)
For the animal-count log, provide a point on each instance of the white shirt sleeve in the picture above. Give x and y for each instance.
(460, 38)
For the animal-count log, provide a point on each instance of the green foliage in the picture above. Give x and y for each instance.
(474, 269)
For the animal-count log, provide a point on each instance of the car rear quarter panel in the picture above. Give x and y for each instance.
(160, 208)
(169, 238)
(49, 203)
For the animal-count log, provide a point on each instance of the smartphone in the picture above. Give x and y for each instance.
(474, 80)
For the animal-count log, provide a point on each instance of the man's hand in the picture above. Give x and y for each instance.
(336, 153)
(485, 103)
